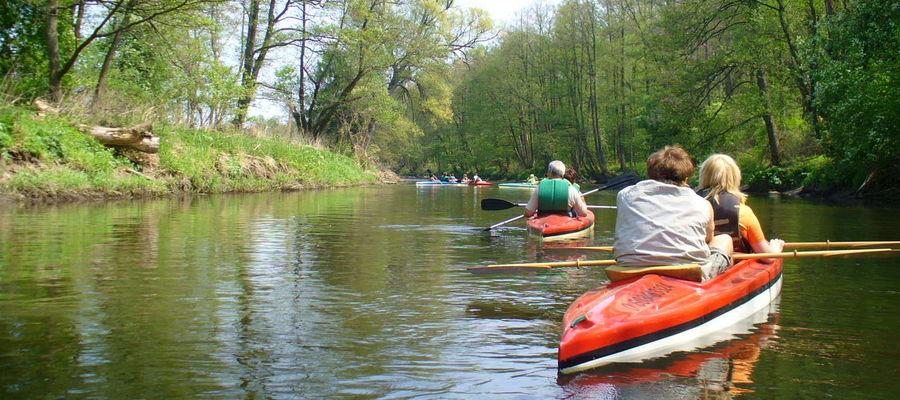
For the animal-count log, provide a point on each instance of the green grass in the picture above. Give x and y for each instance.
(46, 157)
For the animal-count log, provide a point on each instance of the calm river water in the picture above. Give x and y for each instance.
(362, 293)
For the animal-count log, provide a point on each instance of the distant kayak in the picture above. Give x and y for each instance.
(481, 183)
(438, 183)
(517, 185)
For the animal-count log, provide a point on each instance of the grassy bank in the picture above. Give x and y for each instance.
(45, 157)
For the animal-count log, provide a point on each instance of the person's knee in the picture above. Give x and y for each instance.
(723, 243)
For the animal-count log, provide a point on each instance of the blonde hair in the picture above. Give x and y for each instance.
(719, 173)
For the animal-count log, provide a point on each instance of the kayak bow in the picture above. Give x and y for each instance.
(561, 227)
(653, 315)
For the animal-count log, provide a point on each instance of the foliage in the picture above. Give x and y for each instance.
(857, 85)
(415, 84)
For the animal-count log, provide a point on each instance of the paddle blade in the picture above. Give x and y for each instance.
(627, 179)
(620, 182)
(496, 204)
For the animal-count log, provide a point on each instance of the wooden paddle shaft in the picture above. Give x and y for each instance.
(787, 245)
(801, 254)
(590, 263)
(829, 244)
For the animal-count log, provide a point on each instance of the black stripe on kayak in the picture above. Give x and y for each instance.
(663, 333)
(569, 232)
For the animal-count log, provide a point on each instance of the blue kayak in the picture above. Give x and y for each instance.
(516, 185)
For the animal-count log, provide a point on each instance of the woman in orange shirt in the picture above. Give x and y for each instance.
(720, 180)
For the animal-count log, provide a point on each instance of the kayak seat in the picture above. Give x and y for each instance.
(688, 272)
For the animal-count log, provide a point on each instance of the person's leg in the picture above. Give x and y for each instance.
(723, 243)
(720, 249)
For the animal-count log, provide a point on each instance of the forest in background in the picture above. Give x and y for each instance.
(801, 92)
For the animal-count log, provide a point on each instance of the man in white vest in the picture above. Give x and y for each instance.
(661, 221)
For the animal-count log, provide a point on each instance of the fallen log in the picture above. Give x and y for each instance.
(138, 137)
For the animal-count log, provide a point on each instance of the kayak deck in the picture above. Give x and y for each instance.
(652, 315)
(561, 227)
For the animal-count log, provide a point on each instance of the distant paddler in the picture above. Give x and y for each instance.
(555, 195)
(572, 176)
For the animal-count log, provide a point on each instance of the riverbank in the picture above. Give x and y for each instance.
(47, 158)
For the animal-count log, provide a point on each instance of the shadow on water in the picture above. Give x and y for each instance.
(505, 310)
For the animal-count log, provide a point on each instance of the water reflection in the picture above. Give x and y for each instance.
(362, 293)
(722, 371)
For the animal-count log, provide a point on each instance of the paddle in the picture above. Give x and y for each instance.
(618, 182)
(789, 245)
(505, 268)
(500, 204)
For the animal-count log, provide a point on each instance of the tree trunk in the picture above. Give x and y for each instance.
(301, 92)
(243, 102)
(107, 62)
(771, 129)
(79, 19)
(55, 76)
(829, 7)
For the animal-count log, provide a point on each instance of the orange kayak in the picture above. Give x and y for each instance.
(560, 227)
(653, 315)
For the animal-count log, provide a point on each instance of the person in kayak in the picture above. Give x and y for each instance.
(661, 221)
(476, 178)
(555, 194)
(464, 179)
(532, 179)
(572, 176)
(720, 182)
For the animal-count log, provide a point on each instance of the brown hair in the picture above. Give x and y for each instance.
(670, 165)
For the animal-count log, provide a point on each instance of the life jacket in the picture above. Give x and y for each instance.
(577, 186)
(726, 212)
(553, 195)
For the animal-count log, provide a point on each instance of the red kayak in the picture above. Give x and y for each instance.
(561, 227)
(652, 315)
(480, 183)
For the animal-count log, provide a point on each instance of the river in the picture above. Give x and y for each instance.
(362, 293)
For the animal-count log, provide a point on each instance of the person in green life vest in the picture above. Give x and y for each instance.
(555, 194)
(532, 179)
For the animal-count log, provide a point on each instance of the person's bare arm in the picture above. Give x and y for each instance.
(768, 246)
(711, 226)
(532, 206)
(579, 205)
